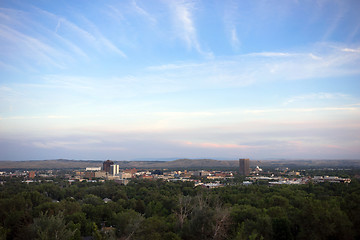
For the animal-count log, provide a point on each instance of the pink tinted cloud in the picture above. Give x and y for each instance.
(217, 145)
(333, 146)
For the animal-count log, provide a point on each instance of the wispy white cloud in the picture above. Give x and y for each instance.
(33, 48)
(41, 45)
(107, 43)
(25, 47)
(318, 62)
(173, 66)
(314, 57)
(210, 145)
(7, 67)
(185, 23)
(235, 42)
(100, 40)
(59, 82)
(95, 38)
(12, 17)
(79, 144)
(354, 32)
(35, 117)
(271, 54)
(85, 35)
(278, 110)
(144, 13)
(5, 89)
(185, 26)
(351, 50)
(114, 13)
(27, 24)
(317, 96)
(230, 15)
(73, 48)
(335, 21)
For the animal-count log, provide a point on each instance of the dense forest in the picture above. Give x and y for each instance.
(146, 209)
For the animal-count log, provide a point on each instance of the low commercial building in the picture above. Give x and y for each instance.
(125, 175)
(201, 173)
(89, 175)
(100, 174)
(93, 169)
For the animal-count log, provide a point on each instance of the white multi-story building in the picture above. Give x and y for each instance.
(114, 169)
(93, 169)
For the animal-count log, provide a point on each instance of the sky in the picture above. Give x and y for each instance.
(131, 79)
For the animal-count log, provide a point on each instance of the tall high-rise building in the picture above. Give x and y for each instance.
(244, 166)
(106, 165)
(114, 169)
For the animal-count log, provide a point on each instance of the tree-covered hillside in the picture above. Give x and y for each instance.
(177, 210)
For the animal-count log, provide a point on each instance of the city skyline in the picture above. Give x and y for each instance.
(179, 79)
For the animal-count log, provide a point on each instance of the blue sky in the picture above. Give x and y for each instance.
(135, 79)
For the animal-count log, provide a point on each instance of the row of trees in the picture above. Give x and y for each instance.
(166, 210)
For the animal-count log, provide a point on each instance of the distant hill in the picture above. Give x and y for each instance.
(49, 164)
(176, 164)
(68, 164)
(182, 163)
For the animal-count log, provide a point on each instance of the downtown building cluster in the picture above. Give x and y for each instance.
(206, 178)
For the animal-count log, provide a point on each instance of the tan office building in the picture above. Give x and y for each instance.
(244, 166)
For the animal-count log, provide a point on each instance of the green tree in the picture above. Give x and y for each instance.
(51, 227)
(281, 229)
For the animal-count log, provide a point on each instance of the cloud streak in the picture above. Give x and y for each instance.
(43, 46)
(248, 69)
(144, 13)
(184, 22)
(34, 49)
(230, 15)
(317, 96)
(235, 42)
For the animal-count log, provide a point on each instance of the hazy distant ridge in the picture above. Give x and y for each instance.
(180, 163)
(48, 164)
(63, 164)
